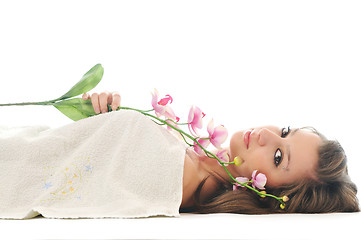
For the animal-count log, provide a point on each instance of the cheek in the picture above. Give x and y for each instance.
(236, 144)
(259, 160)
(262, 162)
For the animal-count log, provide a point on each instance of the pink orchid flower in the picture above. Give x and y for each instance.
(164, 101)
(259, 180)
(169, 114)
(161, 108)
(195, 120)
(198, 149)
(223, 156)
(241, 180)
(217, 135)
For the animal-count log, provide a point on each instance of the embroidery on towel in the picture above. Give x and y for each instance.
(75, 176)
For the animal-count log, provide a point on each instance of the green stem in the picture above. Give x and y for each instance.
(176, 122)
(149, 110)
(28, 103)
(191, 145)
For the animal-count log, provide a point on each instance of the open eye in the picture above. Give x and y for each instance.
(285, 131)
(278, 157)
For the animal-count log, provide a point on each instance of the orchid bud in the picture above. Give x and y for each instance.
(237, 161)
(263, 192)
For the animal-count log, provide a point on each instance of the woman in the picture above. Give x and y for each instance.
(299, 163)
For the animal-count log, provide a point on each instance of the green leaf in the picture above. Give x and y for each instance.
(86, 83)
(76, 108)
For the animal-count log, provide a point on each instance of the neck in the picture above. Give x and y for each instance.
(210, 166)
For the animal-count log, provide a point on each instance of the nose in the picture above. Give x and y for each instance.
(266, 136)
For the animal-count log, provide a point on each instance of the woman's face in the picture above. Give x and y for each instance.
(283, 155)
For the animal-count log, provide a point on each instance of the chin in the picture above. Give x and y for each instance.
(236, 144)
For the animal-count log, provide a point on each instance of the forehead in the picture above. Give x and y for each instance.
(304, 146)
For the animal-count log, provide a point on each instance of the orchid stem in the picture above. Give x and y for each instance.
(29, 103)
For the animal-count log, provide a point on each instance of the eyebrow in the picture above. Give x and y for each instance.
(293, 131)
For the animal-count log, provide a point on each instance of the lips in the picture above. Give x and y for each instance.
(246, 137)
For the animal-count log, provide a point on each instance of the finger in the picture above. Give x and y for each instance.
(116, 100)
(85, 96)
(103, 101)
(95, 102)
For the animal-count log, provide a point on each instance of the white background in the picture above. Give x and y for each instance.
(244, 63)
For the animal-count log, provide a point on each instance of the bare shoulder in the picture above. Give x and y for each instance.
(191, 180)
(195, 171)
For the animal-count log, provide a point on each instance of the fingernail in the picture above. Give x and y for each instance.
(97, 110)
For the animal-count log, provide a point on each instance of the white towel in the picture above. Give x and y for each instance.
(118, 165)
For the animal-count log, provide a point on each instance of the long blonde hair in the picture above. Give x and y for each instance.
(332, 191)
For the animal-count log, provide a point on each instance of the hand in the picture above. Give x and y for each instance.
(101, 100)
